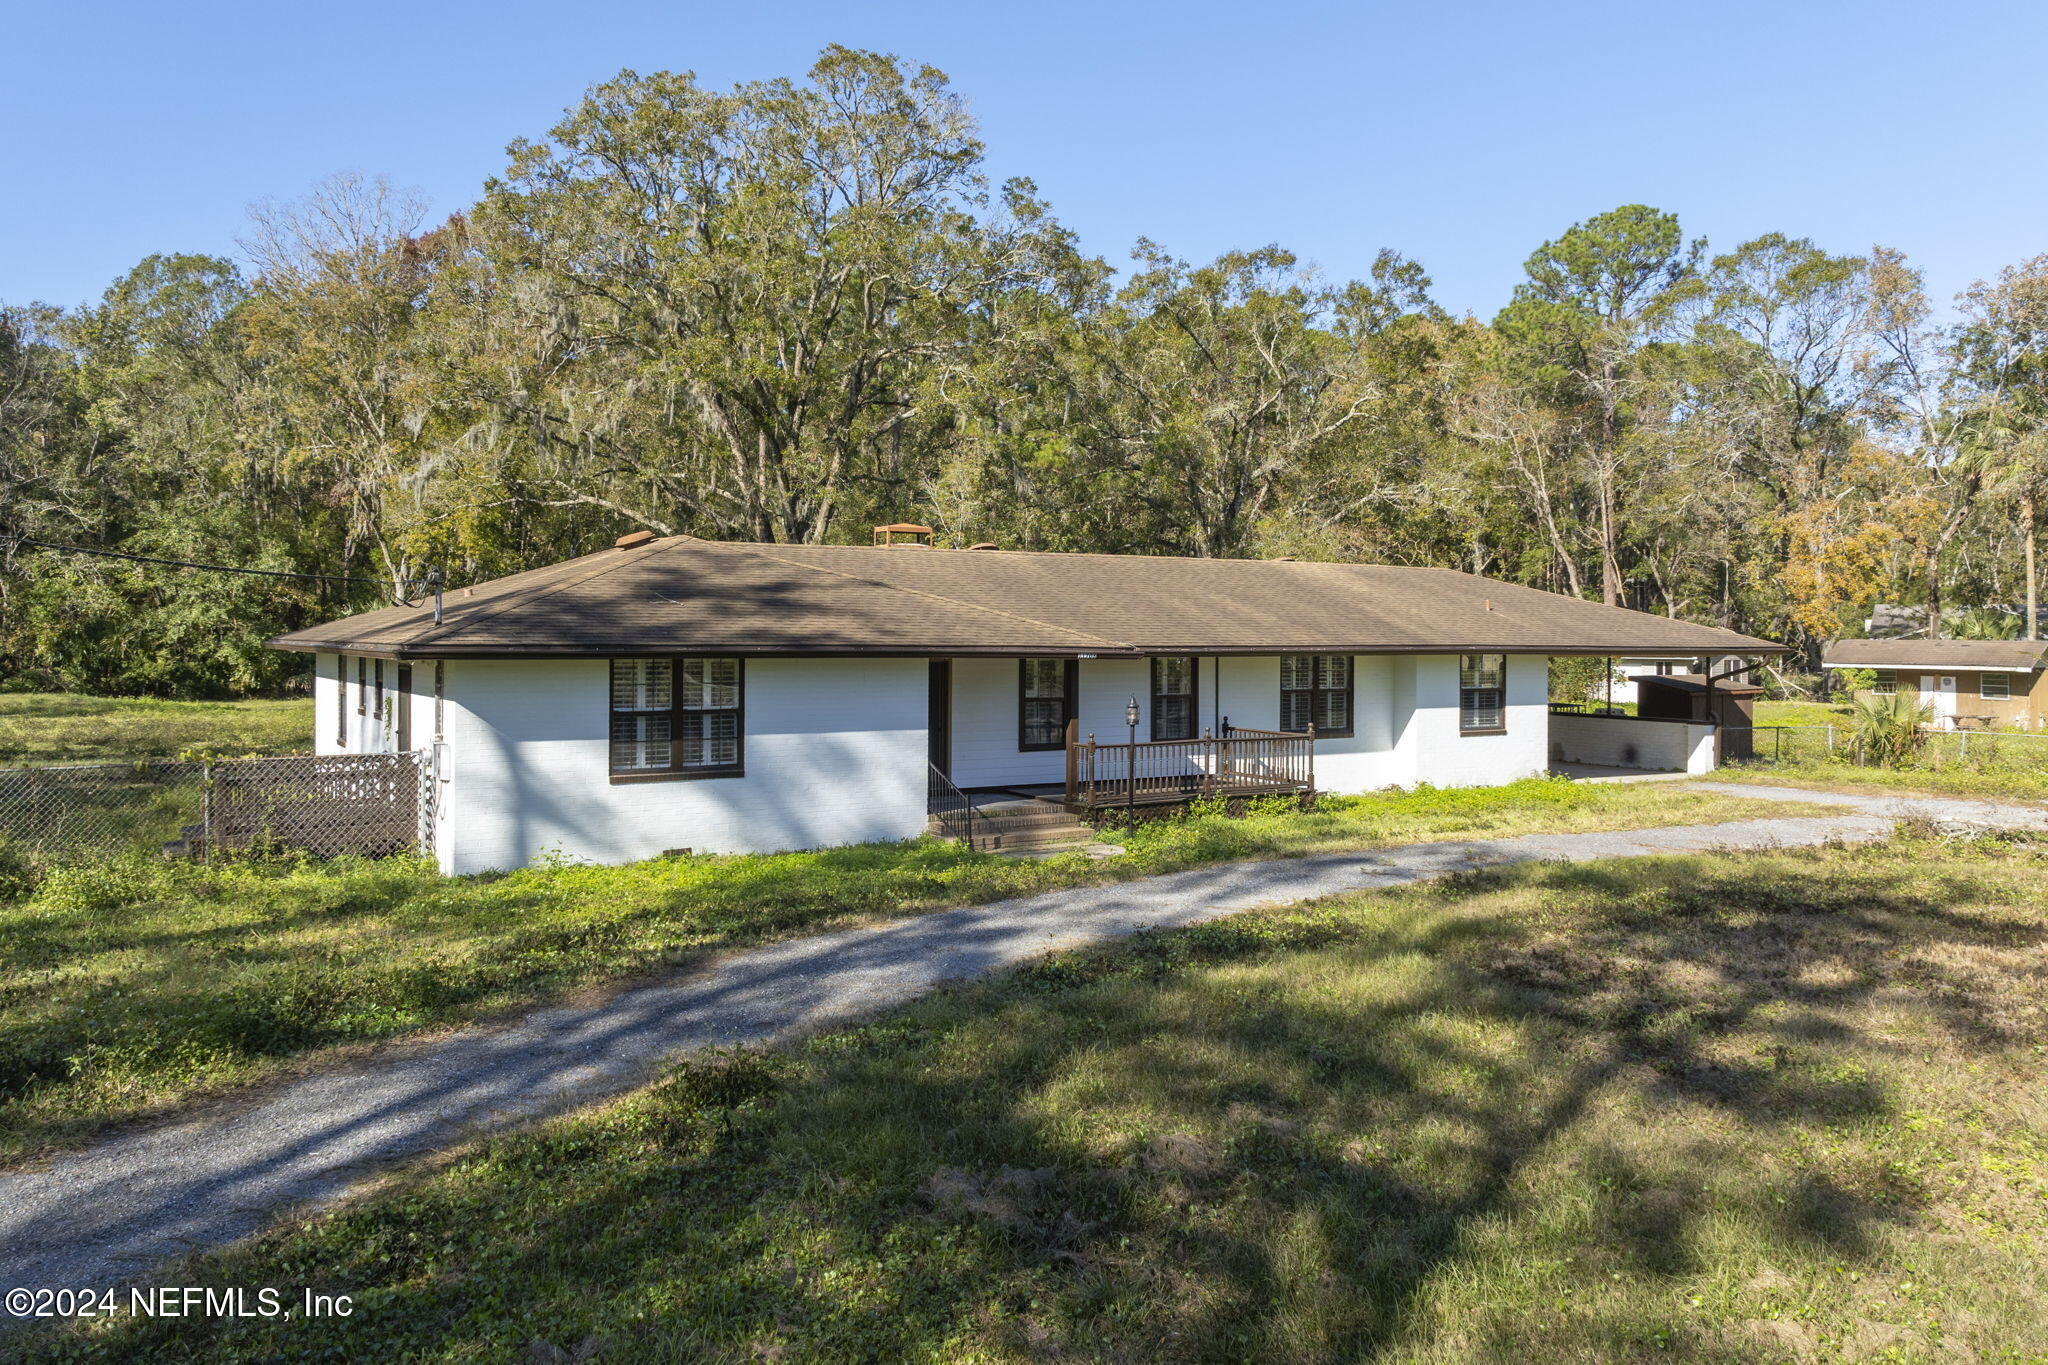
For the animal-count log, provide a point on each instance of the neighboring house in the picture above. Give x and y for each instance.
(1967, 682)
(1890, 620)
(1721, 666)
(683, 693)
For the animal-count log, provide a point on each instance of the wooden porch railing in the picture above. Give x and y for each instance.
(1239, 762)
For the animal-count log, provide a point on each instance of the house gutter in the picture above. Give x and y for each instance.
(375, 649)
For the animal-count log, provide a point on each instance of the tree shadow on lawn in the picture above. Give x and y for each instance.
(1259, 1138)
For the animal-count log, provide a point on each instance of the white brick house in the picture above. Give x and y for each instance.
(680, 693)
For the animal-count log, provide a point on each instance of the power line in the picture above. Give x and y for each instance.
(189, 564)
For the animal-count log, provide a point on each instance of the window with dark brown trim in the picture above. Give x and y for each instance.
(1315, 689)
(341, 700)
(383, 716)
(677, 718)
(1173, 697)
(1482, 694)
(404, 705)
(362, 686)
(1045, 701)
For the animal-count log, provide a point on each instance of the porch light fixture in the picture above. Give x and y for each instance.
(1131, 713)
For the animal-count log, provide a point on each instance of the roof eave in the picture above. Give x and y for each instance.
(389, 649)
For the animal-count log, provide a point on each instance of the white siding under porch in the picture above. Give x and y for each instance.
(369, 731)
(1632, 743)
(1405, 719)
(330, 693)
(835, 754)
(985, 719)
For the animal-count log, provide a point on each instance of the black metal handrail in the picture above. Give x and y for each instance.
(1586, 708)
(956, 815)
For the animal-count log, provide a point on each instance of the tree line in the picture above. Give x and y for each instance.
(794, 308)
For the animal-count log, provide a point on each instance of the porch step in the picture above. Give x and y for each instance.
(1008, 841)
(1021, 821)
(1007, 836)
(1020, 807)
(1026, 824)
(1095, 851)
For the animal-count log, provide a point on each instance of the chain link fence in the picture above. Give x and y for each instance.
(372, 805)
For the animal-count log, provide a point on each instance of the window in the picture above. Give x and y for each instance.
(404, 704)
(1045, 702)
(1994, 686)
(383, 716)
(1315, 689)
(676, 718)
(1482, 694)
(1173, 697)
(1885, 681)
(362, 686)
(341, 701)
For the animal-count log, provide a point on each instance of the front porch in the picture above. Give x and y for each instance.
(1239, 763)
(1090, 736)
(1102, 778)
(1096, 734)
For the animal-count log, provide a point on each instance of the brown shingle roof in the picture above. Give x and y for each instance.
(681, 593)
(1999, 654)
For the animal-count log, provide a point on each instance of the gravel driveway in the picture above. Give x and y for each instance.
(108, 1214)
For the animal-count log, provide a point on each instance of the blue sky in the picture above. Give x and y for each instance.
(1460, 134)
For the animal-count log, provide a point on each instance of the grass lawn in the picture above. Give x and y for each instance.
(1801, 713)
(128, 988)
(1997, 765)
(2017, 782)
(45, 727)
(1761, 1107)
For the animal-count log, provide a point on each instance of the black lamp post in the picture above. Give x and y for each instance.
(1131, 759)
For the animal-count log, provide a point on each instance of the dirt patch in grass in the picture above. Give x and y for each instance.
(1775, 1106)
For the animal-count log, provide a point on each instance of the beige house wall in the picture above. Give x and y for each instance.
(2026, 709)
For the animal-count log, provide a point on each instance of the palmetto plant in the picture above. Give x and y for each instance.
(1986, 623)
(1888, 726)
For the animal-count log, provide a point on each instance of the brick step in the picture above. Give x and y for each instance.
(1057, 818)
(1050, 819)
(1065, 838)
(1038, 833)
(1021, 806)
(1012, 826)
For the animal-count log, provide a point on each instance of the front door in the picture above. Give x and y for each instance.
(1940, 693)
(939, 717)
